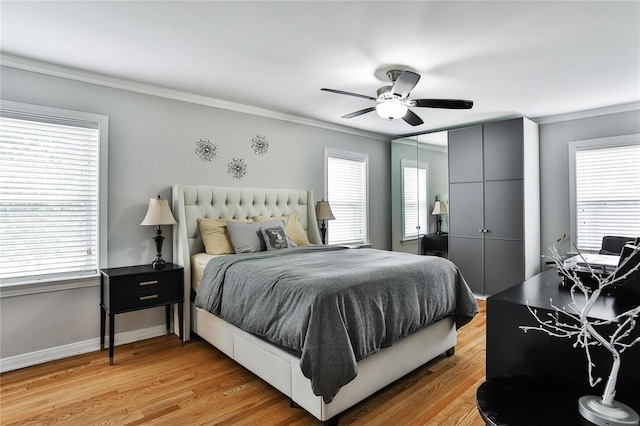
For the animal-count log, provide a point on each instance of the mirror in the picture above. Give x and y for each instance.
(419, 178)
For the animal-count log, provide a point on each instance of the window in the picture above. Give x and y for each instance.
(414, 199)
(605, 189)
(346, 177)
(51, 193)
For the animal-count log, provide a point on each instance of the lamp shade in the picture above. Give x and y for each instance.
(439, 208)
(158, 213)
(323, 211)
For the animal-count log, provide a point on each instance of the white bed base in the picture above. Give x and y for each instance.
(282, 370)
(274, 365)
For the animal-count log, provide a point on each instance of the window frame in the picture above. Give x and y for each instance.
(44, 284)
(353, 156)
(408, 163)
(587, 144)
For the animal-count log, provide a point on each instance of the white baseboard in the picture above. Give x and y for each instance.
(65, 351)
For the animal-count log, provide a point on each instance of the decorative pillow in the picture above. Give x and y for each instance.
(275, 238)
(246, 237)
(214, 234)
(292, 226)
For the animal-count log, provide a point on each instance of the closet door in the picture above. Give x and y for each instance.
(465, 155)
(465, 210)
(466, 245)
(503, 264)
(503, 150)
(504, 210)
(467, 254)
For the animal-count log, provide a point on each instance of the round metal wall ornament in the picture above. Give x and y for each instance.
(238, 168)
(206, 150)
(260, 145)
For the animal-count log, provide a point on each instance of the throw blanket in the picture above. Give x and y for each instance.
(333, 305)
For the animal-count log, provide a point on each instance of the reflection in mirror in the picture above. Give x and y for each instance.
(419, 178)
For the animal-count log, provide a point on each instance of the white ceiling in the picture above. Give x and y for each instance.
(511, 58)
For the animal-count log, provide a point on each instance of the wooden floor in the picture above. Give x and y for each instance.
(158, 381)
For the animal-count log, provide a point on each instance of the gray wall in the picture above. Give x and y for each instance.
(554, 166)
(151, 147)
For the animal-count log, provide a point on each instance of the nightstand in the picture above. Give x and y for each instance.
(437, 244)
(132, 288)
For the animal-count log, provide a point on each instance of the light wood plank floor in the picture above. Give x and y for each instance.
(158, 381)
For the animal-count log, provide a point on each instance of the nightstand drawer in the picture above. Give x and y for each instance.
(145, 297)
(146, 283)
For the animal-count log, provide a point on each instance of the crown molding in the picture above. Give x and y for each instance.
(588, 113)
(40, 67)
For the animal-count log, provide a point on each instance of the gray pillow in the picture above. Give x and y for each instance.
(246, 237)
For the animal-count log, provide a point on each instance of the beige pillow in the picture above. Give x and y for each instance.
(215, 236)
(292, 226)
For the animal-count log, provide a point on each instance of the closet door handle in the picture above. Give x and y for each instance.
(484, 231)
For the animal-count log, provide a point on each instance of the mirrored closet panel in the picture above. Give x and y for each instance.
(419, 194)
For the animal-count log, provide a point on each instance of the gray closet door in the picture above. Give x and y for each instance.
(504, 209)
(504, 264)
(465, 210)
(466, 254)
(465, 155)
(503, 150)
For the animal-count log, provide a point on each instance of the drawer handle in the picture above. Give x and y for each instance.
(153, 296)
(149, 282)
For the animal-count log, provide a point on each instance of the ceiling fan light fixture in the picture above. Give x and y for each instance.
(391, 109)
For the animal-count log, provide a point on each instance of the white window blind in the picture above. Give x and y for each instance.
(607, 193)
(414, 198)
(49, 171)
(347, 195)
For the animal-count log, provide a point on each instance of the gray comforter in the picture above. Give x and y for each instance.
(332, 305)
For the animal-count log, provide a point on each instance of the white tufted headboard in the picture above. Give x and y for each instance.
(191, 202)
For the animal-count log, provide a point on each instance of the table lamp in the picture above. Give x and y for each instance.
(439, 209)
(158, 214)
(323, 212)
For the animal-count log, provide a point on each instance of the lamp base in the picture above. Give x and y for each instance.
(158, 264)
(593, 409)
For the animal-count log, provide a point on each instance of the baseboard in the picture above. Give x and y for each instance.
(65, 351)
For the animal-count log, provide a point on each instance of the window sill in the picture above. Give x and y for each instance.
(411, 240)
(47, 286)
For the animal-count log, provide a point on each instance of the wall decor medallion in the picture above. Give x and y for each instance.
(260, 145)
(237, 168)
(206, 150)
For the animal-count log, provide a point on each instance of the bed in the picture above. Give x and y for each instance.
(279, 364)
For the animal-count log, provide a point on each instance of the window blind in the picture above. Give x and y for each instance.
(607, 194)
(347, 195)
(48, 197)
(414, 199)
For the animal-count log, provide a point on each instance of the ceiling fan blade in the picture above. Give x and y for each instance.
(340, 92)
(405, 83)
(444, 103)
(357, 113)
(411, 118)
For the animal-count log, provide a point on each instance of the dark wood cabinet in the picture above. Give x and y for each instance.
(512, 352)
(133, 288)
(437, 244)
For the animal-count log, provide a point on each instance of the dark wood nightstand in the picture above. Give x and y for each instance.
(437, 244)
(132, 288)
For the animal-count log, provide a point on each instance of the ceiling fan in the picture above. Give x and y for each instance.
(393, 99)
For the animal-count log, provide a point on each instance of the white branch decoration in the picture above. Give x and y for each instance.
(573, 322)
